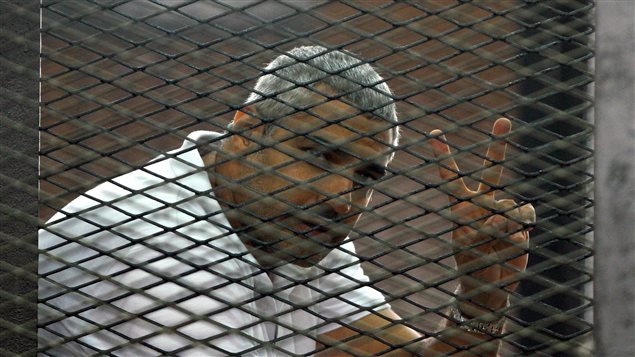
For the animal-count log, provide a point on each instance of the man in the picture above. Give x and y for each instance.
(235, 244)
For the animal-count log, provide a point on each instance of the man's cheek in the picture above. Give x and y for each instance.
(295, 196)
(352, 221)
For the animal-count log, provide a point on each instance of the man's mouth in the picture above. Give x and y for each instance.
(326, 233)
(310, 228)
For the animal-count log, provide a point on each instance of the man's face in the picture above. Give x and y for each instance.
(304, 194)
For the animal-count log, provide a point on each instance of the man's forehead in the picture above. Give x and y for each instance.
(351, 137)
(358, 130)
(338, 116)
(335, 109)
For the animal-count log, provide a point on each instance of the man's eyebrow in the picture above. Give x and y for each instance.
(370, 165)
(377, 168)
(323, 140)
(350, 111)
(345, 147)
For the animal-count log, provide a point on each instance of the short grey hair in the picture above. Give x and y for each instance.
(292, 77)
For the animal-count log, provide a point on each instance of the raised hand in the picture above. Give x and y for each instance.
(491, 238)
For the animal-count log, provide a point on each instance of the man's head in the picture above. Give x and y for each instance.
(292, 78)
(313, 137)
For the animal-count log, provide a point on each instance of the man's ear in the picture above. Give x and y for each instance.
(248, 128)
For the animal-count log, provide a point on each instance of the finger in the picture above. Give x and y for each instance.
(495, 153)
(528, 215)
(495, 226)
(517, 240)
(515, 236)
(448, 169)
(505, 207)
(512, 267)
(519, 243)
(523, 217)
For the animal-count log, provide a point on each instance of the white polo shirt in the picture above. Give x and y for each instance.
(146, 265)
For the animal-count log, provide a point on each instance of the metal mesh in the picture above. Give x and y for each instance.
(145, 262)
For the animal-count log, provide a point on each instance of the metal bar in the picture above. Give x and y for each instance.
(615, 171)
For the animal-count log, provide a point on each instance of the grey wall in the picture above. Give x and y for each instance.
(615, 175)
(19, 49)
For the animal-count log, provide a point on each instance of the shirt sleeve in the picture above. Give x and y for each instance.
(130, 274)
(347, 292)
(87, 259)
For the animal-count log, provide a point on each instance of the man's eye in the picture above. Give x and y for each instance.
(362, 180)
(367, 177)
(315, 153)
(370, 176)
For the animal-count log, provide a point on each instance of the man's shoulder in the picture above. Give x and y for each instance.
(342, 257)
(167, 174)
(160, 194)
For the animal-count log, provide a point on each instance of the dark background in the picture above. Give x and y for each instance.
(19, 80)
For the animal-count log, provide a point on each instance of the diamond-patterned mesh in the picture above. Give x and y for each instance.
(144, 258)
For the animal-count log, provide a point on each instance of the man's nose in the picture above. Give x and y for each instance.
(341, 205)
(339, 189)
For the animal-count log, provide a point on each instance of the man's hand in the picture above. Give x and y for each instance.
(490, 243)
(491, 239)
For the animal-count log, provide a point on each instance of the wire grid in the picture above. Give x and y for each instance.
(126, 81)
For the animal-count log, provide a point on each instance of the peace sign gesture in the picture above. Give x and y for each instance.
(491, 237)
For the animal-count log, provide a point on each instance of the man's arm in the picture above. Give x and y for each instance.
(384, 334)
(490, 243)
